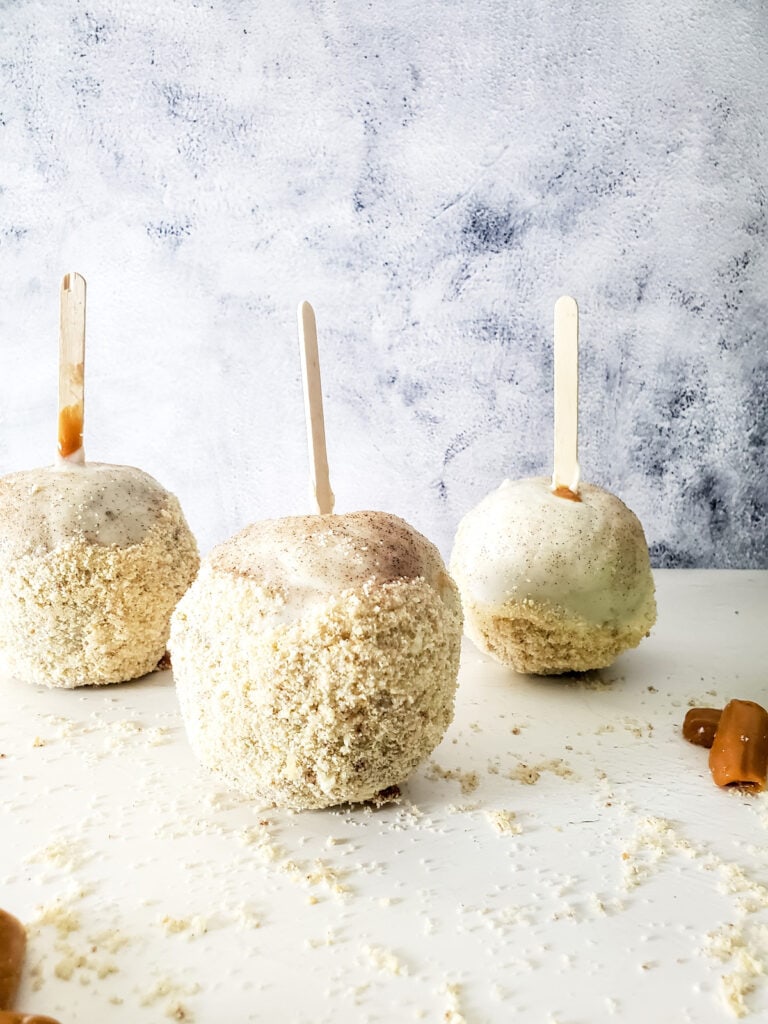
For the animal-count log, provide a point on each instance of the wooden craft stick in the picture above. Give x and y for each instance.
(739, 753)
(313, 407)
(565, 476)
(71, 368)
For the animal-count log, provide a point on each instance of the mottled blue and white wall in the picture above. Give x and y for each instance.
(432, 175)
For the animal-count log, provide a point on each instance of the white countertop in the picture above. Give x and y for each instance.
(627, 888)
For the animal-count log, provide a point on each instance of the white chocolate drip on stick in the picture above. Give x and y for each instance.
(71, 368)
(313, 406)
(565, 476)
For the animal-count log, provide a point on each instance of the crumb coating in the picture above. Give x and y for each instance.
(336, 696)
(75, 611)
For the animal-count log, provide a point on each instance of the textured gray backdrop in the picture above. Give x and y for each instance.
(431, 175)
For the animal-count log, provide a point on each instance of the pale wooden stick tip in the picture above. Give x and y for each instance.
(566, 304)
(73, 282)
(566, 473)
(313, 405)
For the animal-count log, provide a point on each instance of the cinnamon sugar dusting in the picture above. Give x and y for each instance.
(330, 553)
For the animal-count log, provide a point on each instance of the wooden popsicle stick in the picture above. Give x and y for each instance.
(313, 406)
(71, 368)
(565, 476)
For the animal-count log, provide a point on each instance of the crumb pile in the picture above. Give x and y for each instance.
(93, 560)
(316, 657)
(552, 585)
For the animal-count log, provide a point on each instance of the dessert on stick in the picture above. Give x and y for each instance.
(555, 574)
(316, 656)
(93, 557)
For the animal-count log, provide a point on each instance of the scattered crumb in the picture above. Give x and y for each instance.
(385, 960)
(504, 822)
(194, 926)
(653, 842)
(167, 989)
(59, 915)
(744, 949)
(178, 1011)
(158, 736)
(65, 854)
(329, 939)
(529, 774)
(323, 874)
(246, 917)
(453, 1013)
(469, 781)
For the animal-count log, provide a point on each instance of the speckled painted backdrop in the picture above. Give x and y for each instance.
(431, 175)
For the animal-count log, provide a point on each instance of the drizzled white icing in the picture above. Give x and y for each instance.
(41, 509)
(522, 542)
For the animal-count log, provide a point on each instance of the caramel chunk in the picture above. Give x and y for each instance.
(164, 663)
(739, 754)
(700, 726)
(13, 945)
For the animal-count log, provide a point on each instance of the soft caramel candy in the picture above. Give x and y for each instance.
(700, 726)
(739, 754)
(13, 945)
(9, 1017)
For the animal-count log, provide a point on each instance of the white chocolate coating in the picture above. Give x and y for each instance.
(100, 503)
(93, 559)
(577, 572)
(316, 657)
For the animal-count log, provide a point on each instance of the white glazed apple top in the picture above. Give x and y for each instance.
(41, 509)
(301, 561)
(522, 542)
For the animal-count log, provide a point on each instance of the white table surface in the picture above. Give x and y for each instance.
(629, 889)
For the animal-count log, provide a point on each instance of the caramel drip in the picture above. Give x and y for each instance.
(565, 492)
(70, 429)
(700, 726)
(739, 754)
